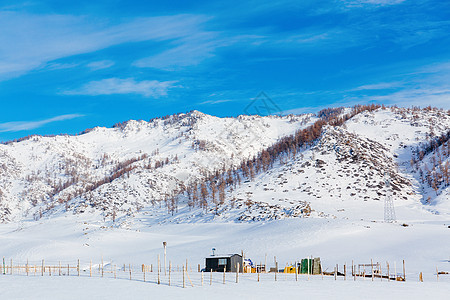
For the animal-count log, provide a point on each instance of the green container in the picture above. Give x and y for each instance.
(304, 266)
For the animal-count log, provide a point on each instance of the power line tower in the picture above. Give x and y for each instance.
(389, 211)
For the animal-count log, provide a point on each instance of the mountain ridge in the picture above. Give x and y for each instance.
(139, 166)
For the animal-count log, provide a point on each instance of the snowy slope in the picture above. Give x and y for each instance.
(132, 165)
(403, 130)
(138, 168)
(344, 174)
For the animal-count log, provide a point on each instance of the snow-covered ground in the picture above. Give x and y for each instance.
(424, 244)
(248, 288)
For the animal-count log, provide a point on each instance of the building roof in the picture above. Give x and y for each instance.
(223, 255)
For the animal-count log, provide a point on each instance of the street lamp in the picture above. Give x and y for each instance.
(164, 245)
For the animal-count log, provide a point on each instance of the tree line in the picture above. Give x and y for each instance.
(211, 191)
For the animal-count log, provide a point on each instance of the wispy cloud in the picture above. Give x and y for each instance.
(59, 66)
(372, 2)
(112, 86)
(212, 102)
(101, 64)
(377, 86)
(189, 51)
(28, 125)
(317, 39)
(423, 86)
(32, 40)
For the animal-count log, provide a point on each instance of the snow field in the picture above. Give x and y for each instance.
(55, 287)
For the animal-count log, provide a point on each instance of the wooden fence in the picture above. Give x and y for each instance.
(187, 275)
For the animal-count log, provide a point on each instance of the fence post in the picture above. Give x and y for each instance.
(388, 275)
(159, 281)
(258, 270)
(404, 272)
(202, 278)
(420, 277)
(42, 268)
(4, 269)
(68, 270)
(159, 267)
(437, 274)
(224, 270)
(129, 268)
(395, 270)
(11, 266)
(59, 268)
(78, 267)
(345, 271)
(353, 271)
(380, 272)
(170, 267)
(115, 272)
(102, 267)
(90, 268)
(371, 265)
(184, 280)
(210, 277)
(296, 271)
(237, 273)
(27, 267)
(276, 267)
(143, 271)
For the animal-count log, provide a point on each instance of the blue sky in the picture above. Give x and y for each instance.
(69, 65)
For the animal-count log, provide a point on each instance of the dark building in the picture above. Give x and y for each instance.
(217, 263)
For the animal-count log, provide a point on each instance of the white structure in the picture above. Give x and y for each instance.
(389, 211)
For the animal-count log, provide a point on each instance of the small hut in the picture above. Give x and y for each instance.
(229, 262)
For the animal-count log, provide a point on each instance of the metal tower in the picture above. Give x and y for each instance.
(389, 211)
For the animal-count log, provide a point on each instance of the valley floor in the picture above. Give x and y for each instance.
(22, 287)
(424, 245)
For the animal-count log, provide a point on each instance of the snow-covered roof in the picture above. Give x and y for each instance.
(223, 255)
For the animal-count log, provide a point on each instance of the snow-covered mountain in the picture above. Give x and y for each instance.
(147, 169)
(132, 165)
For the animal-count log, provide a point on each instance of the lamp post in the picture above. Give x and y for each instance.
(164, 245)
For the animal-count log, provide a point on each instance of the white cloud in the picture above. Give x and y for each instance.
(377, 86)
(31, 40)
(189, 51)
(111, 86)
(28, 125)
(101, 64)
(212, 102)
